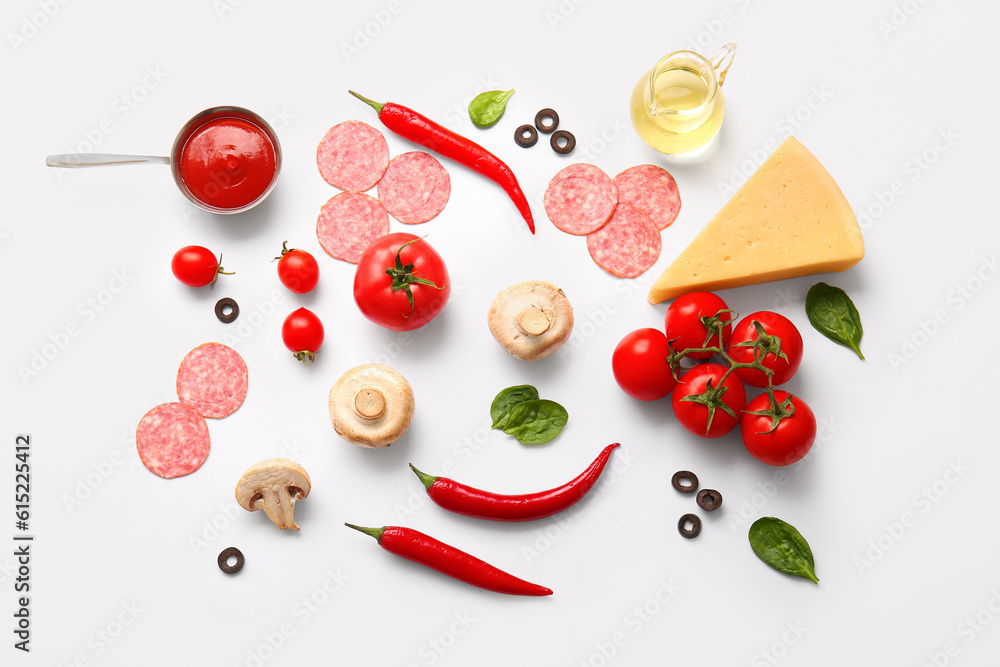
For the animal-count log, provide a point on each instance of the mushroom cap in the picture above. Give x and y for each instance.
(531, 319)
(274, 485)
(371, 405)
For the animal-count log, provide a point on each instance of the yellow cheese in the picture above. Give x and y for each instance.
(789, 219)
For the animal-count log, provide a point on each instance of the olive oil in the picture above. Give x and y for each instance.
(677, 107)
(681, 89)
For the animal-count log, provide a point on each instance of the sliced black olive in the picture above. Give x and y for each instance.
(231, 552)
(546, 120)
(709, 499)
(227, 310)
(694, 530)
(526, 136)
(562, 142)
(678, 481)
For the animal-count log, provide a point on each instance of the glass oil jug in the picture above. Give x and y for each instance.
(677, 106)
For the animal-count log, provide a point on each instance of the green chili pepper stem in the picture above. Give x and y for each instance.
(374, 532)
(373, 104)
(428, 480)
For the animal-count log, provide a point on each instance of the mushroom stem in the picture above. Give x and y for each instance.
(369, 403)
(278, 504)
(533, 321)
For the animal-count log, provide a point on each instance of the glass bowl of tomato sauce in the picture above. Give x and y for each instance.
(226, 159)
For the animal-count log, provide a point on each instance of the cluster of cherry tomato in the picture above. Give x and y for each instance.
(401, 283)
(764, 349)
(302, 331)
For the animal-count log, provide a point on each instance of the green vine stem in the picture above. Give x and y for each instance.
(764, 344)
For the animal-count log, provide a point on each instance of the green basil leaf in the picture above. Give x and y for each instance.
(832, 313)
(487, 108)
(507, 399)
(782, 547)
(536, 421)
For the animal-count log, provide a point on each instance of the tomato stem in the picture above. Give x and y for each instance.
(712, 397)
(301, 356)
(284, 250)
(402, 277)
(219, 271)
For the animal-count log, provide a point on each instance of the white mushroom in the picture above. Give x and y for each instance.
(371, 405)
(531, 320)
(273, 485)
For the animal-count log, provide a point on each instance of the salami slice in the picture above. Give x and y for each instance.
(212, 380)
(348, 223)
(650, 190)
(172, 440)
(627, 245)
(352, 156)
(415, 188)
(580, 199)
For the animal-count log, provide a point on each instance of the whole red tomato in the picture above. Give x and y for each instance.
(196, 266)
(685, 323)
(401, 282)
(640, 365)
(302, 333)
(785, 443)
(780, 348)
(709, 412)
(297, 269)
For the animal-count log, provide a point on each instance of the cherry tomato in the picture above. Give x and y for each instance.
(684, 324)
(706, 417)
(413, 291)
(781, 337)
(789, 441)
(303, 334)
(196, 266)
(640, 365)
(297, 269)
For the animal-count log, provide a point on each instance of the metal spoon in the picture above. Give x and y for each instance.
(73, 160)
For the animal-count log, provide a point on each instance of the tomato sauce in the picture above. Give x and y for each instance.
(227, 163)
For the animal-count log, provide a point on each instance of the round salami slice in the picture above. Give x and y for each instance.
(650, 190)
(348, 223)
(627, 245)
(172, 440)
(580, 199)
(352, 156)
(212, 380)
(415, 188)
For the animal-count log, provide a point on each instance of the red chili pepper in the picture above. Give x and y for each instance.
(424, 549)
(469, 501)
(419, 129)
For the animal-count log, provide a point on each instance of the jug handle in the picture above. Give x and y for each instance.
(723, 60)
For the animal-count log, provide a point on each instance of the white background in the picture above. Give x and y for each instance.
(123, 569)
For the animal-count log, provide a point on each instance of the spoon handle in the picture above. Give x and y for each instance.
(102, 160)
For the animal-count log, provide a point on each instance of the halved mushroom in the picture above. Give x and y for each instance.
(274, 485)
(531, 320)
(371, 405)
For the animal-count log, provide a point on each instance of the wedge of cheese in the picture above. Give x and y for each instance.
(789, 219)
